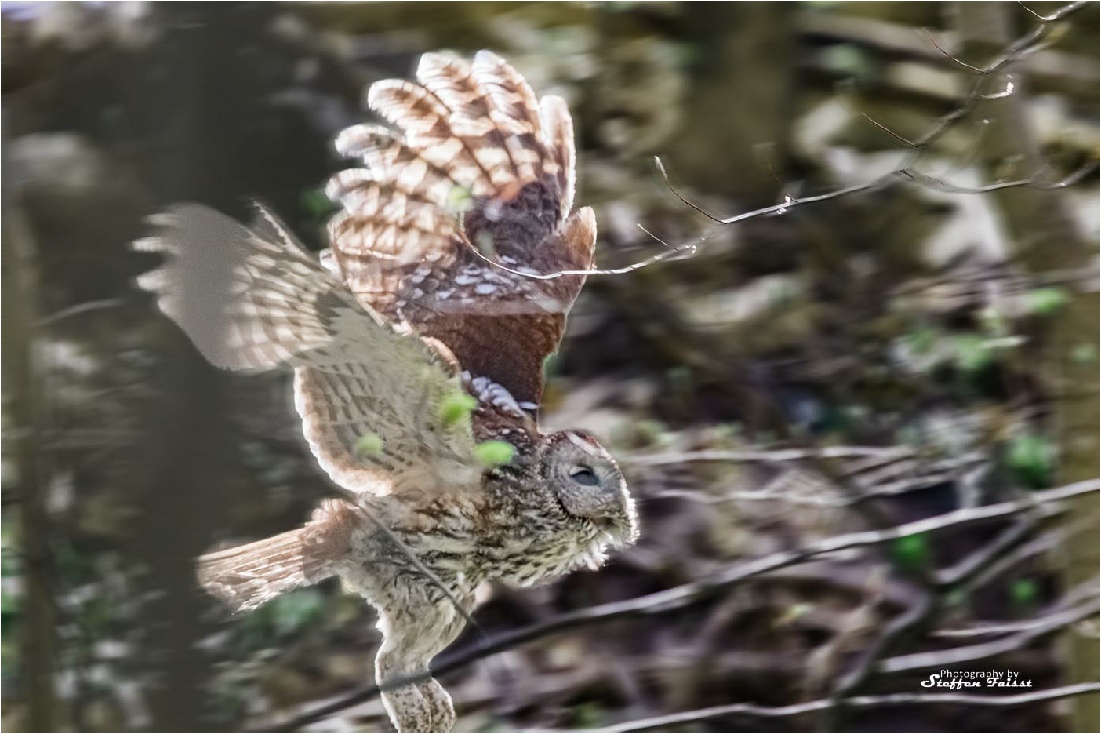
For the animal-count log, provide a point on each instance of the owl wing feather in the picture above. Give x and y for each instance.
(369, 392)
(478, 169)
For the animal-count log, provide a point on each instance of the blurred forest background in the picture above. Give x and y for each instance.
(921, 352)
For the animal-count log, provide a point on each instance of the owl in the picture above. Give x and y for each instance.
(417, 342)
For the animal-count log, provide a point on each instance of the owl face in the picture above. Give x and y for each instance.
(588, 485)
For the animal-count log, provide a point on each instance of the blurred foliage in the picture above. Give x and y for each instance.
(286, 615)
(1031, 458)
(494, 453)
(912, 551)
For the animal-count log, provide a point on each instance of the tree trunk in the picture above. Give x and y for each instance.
(1045, 237)
(38, 638)
(741, 94)
(197, 108)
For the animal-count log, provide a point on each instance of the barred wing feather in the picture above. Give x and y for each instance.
(477, 169)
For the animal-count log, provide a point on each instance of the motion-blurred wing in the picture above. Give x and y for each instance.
(368, 392)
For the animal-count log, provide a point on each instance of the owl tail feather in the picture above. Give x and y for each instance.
(251, 575)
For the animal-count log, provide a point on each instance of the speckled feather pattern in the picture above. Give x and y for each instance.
(388, 327)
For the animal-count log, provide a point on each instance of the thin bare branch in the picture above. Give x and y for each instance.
(970, 653)
(1071, 598)
(980, 559)
(860, 702)
(951, 57)
(790, 203)
(1033, 181)
(675, 253)
(905, 141)
(673, 189)
(78, 309)
(1044, 543)
(776, 456)
(1007, 91)
(1059, 14)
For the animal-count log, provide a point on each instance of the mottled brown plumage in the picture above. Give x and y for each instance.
(477, 165)
(387, 333)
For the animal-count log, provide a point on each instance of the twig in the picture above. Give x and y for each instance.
(768, 457)
(675, 252)
(1057, 15)
(970, 653)
(1079, 593)
(794, 487)
(860, 702)
(950, 56)
(1046, 542)
(1032, 182)
(77, 310)
(974, 563)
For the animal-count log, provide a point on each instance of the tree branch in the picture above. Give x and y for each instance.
(859, 702)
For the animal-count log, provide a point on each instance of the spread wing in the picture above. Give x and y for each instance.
(369, 392)
(478, 170)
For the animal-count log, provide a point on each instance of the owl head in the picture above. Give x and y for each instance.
(588, 484)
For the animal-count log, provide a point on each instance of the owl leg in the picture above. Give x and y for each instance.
(413, 633)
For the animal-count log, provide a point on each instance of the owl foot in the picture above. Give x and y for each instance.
(423, 707)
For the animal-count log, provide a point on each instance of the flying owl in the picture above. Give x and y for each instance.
(417, 341)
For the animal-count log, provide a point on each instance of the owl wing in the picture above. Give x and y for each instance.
(369, 392)
(477, 170)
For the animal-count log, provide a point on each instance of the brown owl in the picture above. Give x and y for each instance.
(418, 341)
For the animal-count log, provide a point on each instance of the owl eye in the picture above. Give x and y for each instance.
(584, 475)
